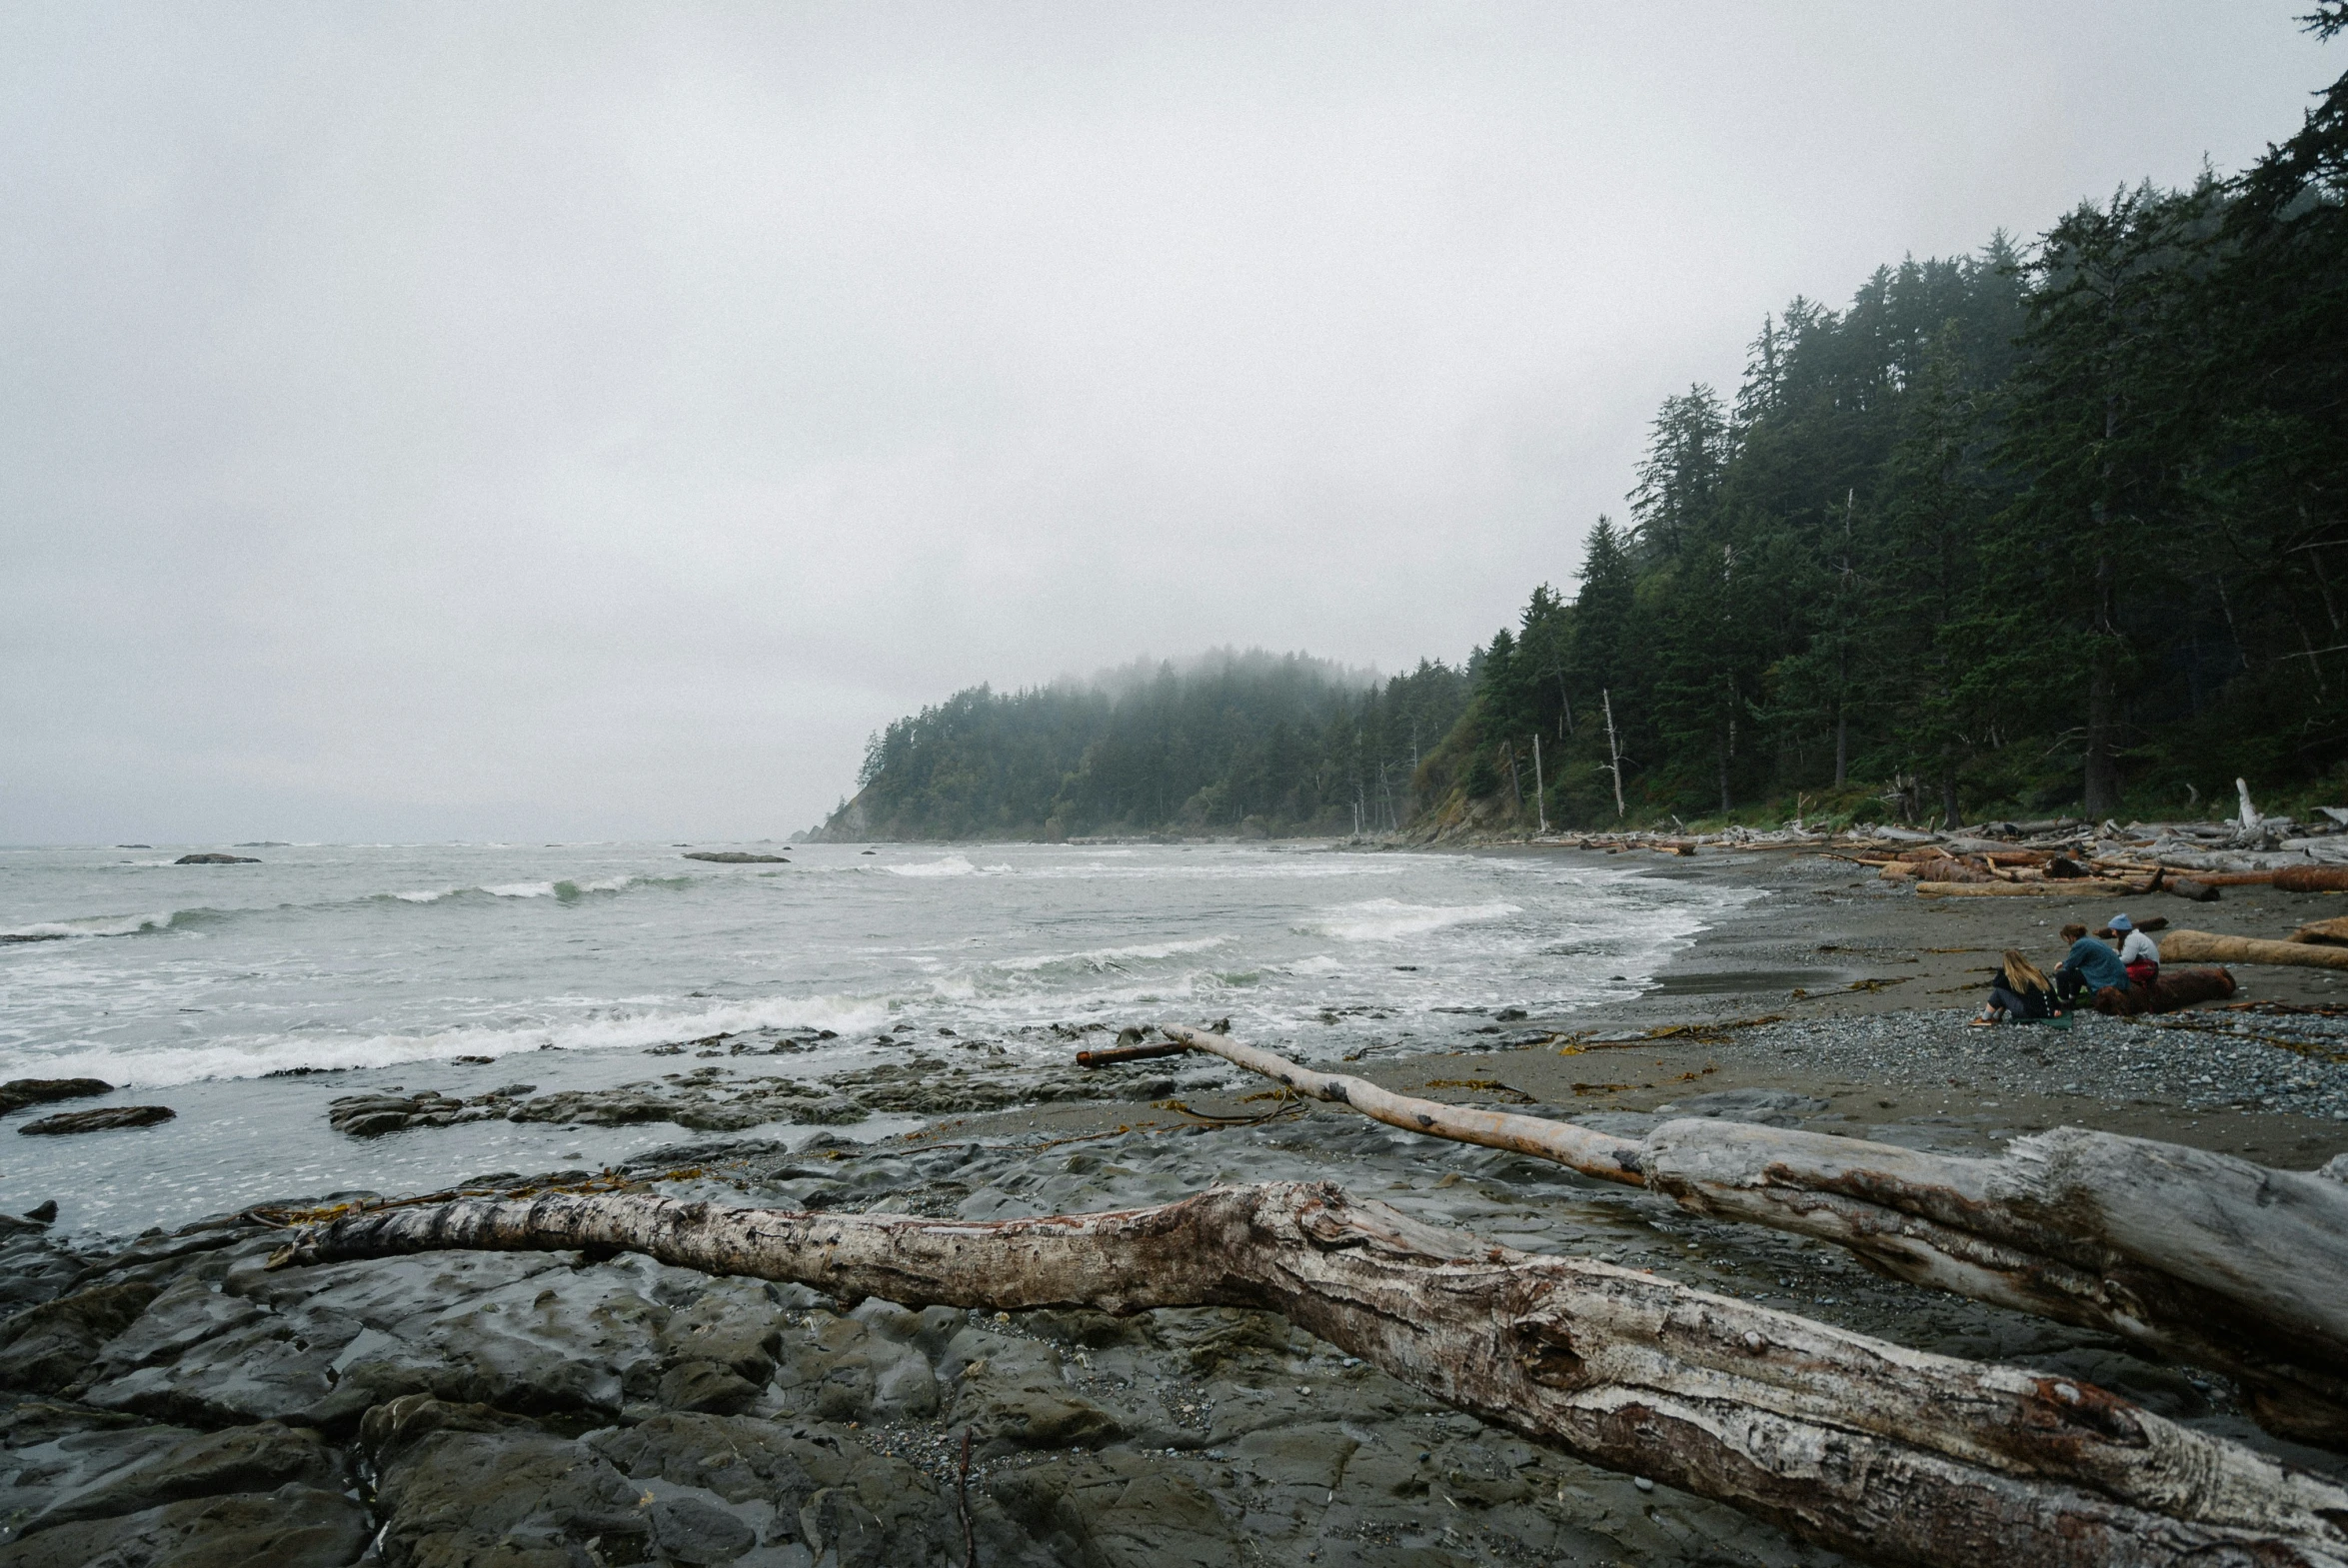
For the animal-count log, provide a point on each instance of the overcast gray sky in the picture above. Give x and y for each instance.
(556, 421)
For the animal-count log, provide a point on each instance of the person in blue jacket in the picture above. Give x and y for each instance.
(2088, 967)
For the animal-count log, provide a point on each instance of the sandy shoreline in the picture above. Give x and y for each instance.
(530, 1411)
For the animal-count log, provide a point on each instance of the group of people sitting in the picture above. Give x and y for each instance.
(2023, 993)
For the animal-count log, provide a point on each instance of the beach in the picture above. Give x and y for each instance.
(169, 1389)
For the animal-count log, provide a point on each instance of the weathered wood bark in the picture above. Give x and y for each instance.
(2329, 934)
(2233, 878)
(2205, 947)
(2312, 879)
(1600, 1155)
(2191, 1254)
(2069, 887)
(1890, 1454)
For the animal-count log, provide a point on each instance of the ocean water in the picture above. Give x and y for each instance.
(207, 988)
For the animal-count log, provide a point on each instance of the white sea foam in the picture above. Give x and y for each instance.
(93, 925)
(608, 1028)
(950, 865)
(1389, 920)
(1111, 957)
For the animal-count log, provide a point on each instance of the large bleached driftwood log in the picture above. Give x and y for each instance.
(2075, 887)
(2206, 948)
(1890, 1454)
(2199, 1256)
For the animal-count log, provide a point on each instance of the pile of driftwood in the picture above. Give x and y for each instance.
(1979, 868)
(1888, 1454)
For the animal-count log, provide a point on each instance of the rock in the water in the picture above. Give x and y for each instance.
(734, 857)
(17, 1093)
(216, 859)
(42, 1212)
(101, 1120)
(367, 1115)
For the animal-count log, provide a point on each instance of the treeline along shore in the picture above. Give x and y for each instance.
(2049, 527)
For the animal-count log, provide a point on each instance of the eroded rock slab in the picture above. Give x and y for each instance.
(103, 1119)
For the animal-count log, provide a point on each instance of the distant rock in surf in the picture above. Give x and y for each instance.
(17, 1093)
(100, 1121)
(734, 857)
(216, 859)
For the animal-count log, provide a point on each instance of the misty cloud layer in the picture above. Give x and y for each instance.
(556, 421)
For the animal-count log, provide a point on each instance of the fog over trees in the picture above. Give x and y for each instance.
(2054, 526)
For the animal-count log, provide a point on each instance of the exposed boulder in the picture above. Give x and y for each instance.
(17, 1093)
(733, 857)
(103, 1119)
(216, 859)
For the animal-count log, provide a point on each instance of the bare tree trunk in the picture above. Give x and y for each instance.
(1540, 790)
(2197, 1255)
(2102, 784)
(1894, 1455)
(1613, 750)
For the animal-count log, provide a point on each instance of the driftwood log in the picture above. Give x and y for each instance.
(1885, 1453)
(2174, 988)
(2063, 887)
(2208, 947)
(2191, 1254)
(2312, 879)
(2330, 934)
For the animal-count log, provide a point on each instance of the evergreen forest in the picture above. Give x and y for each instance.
(1252, 743)
(2049, 527)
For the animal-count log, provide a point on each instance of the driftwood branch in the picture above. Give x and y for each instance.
(1890, 1454)
(2195, 1255)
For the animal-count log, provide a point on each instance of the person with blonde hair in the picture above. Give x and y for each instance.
(2020, 993)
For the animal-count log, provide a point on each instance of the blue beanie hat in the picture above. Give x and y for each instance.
(2120, 922)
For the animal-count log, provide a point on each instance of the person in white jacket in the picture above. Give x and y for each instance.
(2138, 953)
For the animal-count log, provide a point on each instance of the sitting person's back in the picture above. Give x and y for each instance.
(2089, 966)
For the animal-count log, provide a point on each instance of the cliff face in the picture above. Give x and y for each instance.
(851, 823)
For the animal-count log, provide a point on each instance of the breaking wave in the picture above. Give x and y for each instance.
(609, 1028)
(1389, 920)
(952, 865)
(96, 925)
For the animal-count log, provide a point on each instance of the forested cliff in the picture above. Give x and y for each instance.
(2041, 527)
(1232, 742)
